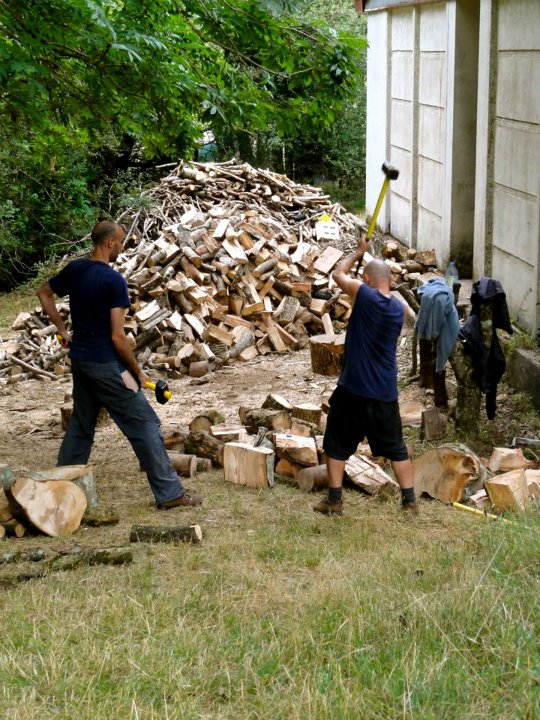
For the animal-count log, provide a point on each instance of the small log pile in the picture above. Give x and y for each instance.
(223, 262)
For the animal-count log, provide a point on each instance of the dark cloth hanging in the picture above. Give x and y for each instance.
(488, 360)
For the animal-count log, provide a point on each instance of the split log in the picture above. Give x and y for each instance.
(54, 507)
(227, 433)
(5, 510)
(434, 424)
(277, 402)
(299, 450)
(185, 465)
(313, 478)
(204, 445)
(271, 419)
(448, 473)
(165, 533)
(506, 459)
(247, 465)
(508, 491)
(369, 477)
(327, 354)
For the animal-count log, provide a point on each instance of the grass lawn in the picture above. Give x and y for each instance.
(281, 613)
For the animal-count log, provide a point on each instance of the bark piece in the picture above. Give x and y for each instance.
(326, 354)
(99, 517)
(55, 507)
(165, 533)
(246, 465)
(508, 491)
(447, 472)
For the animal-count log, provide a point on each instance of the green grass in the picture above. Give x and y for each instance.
(281, 613)
(12, 304)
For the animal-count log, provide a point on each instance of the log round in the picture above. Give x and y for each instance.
(271, 419)
(444, 472)
(312, 478)
(55, 507)
(326, 354)
(185, 465)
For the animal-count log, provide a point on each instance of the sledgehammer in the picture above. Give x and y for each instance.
(161, 389)
(390, 173)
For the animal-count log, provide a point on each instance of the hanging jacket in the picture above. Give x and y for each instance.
(438, 318)
(488, 361)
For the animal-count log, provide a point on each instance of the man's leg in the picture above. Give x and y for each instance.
(333, 504)
(403, 470)
(79, 437)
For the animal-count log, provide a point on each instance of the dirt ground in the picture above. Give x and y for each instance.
(30, 433)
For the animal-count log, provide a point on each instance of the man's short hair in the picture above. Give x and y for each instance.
(378, 270)
(103, 230)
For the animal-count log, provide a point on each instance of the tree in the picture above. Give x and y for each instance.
(87, 84)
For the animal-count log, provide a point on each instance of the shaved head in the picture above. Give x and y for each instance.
(103, 230)
(378, 273)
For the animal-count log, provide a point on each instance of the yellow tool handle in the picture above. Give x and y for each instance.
(371, 227)
(480, 512)
(152, 386)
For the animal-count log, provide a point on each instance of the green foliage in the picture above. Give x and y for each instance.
(89, 88)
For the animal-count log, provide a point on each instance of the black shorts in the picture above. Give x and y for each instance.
(353, 418)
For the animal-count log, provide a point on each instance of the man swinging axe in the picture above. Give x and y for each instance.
(105, 370)
(365, 401)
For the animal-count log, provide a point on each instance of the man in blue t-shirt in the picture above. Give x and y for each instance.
(105, 370)
(364, 404)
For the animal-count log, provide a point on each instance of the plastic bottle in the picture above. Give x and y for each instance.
(451, 275)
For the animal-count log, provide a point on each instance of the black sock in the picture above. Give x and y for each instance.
(407, 495)
(334, 494)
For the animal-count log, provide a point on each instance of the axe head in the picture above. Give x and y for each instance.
(161, 389)
(391, 172)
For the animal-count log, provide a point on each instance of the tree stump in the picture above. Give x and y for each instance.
(327, 354)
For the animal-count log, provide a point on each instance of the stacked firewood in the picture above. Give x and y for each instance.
(223, 262)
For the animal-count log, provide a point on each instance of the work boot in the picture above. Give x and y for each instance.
(410, 507)
(329, 508)
(184, 501)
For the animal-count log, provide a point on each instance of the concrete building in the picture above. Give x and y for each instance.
(454, 103)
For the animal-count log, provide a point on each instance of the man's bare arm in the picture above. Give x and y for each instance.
(122, 346)
(341, 276)
(48, 303)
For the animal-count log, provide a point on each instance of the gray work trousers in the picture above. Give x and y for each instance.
(97, 385)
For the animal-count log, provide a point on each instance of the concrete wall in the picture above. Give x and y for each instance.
(507, 217)
(419, 119)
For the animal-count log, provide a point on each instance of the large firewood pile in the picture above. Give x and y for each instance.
(223, 262)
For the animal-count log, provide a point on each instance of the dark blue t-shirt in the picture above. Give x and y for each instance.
(94, 289)
(370, 368)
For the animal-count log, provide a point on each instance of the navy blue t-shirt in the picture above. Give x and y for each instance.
(370, 346)
(94, 289)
